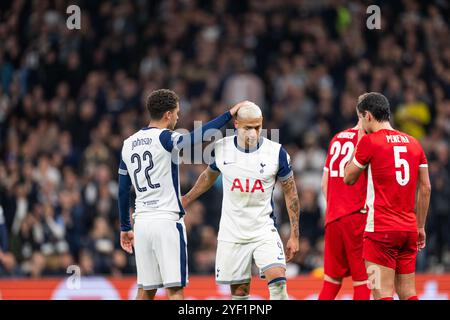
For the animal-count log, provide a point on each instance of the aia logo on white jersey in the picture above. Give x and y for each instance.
(250, 186)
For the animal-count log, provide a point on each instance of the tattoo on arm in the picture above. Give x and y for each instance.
(292, 204)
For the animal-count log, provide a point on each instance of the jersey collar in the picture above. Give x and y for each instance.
(148, 128)
(250, 150)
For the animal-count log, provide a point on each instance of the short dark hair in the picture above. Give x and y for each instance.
(377, 104)
(160, 101)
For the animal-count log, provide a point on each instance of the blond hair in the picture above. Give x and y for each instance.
(249, 111)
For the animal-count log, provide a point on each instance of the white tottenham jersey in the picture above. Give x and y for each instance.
(147, 159)
(248, 179)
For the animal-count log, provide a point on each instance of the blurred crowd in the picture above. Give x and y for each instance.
(68, 99)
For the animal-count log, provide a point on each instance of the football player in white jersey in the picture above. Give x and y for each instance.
(149, 162)
(250, 166)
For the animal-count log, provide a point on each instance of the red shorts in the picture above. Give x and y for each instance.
(394, 249)
(344, 247)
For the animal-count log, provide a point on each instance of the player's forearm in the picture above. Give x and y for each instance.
(203, 184)
(292, 205)
(423, 202)
(352, 172)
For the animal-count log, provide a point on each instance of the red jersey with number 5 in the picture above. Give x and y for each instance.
(343, 199)
(393, 159)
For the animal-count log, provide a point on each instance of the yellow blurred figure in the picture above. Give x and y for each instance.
(413, 116)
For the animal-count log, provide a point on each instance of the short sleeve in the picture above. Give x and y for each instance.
(284, 165)
(169, 139)
(363, 153)
(423, 159)
(213, 165)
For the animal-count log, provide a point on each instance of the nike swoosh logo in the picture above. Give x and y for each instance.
(280, 258)
(225, 163)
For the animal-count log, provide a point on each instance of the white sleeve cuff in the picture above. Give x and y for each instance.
(123, 172)
(359, 165)
(424, 165)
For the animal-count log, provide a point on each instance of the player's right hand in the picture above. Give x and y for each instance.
(127, 241)
(421, 241)
(237, 106)
(361, 133)
(292, 248)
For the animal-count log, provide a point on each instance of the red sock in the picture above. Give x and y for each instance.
(329, 290)
(413, 298)
(386, 298)
(361, 292)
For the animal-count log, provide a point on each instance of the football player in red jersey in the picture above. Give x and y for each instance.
(395, 230)
(345, 219)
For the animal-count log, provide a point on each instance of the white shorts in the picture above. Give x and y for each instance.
(234, 260)
(161, 253)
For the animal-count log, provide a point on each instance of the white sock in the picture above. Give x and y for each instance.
(278, 289)
(239, 297)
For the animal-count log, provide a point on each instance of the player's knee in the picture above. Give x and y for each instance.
(240, 290)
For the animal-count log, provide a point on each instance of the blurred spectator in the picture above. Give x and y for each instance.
(412, 116)
(101, 245)
(311, 223)
(8, 265)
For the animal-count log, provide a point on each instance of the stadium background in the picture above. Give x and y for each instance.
(68, 98)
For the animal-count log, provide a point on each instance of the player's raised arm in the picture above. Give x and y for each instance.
(358, 162)
(423, 201)
(205, 132)
(203, 184)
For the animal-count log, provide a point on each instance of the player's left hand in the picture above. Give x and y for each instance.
(127, 241)
(292, 248)
(421, 241)
(361, 133)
